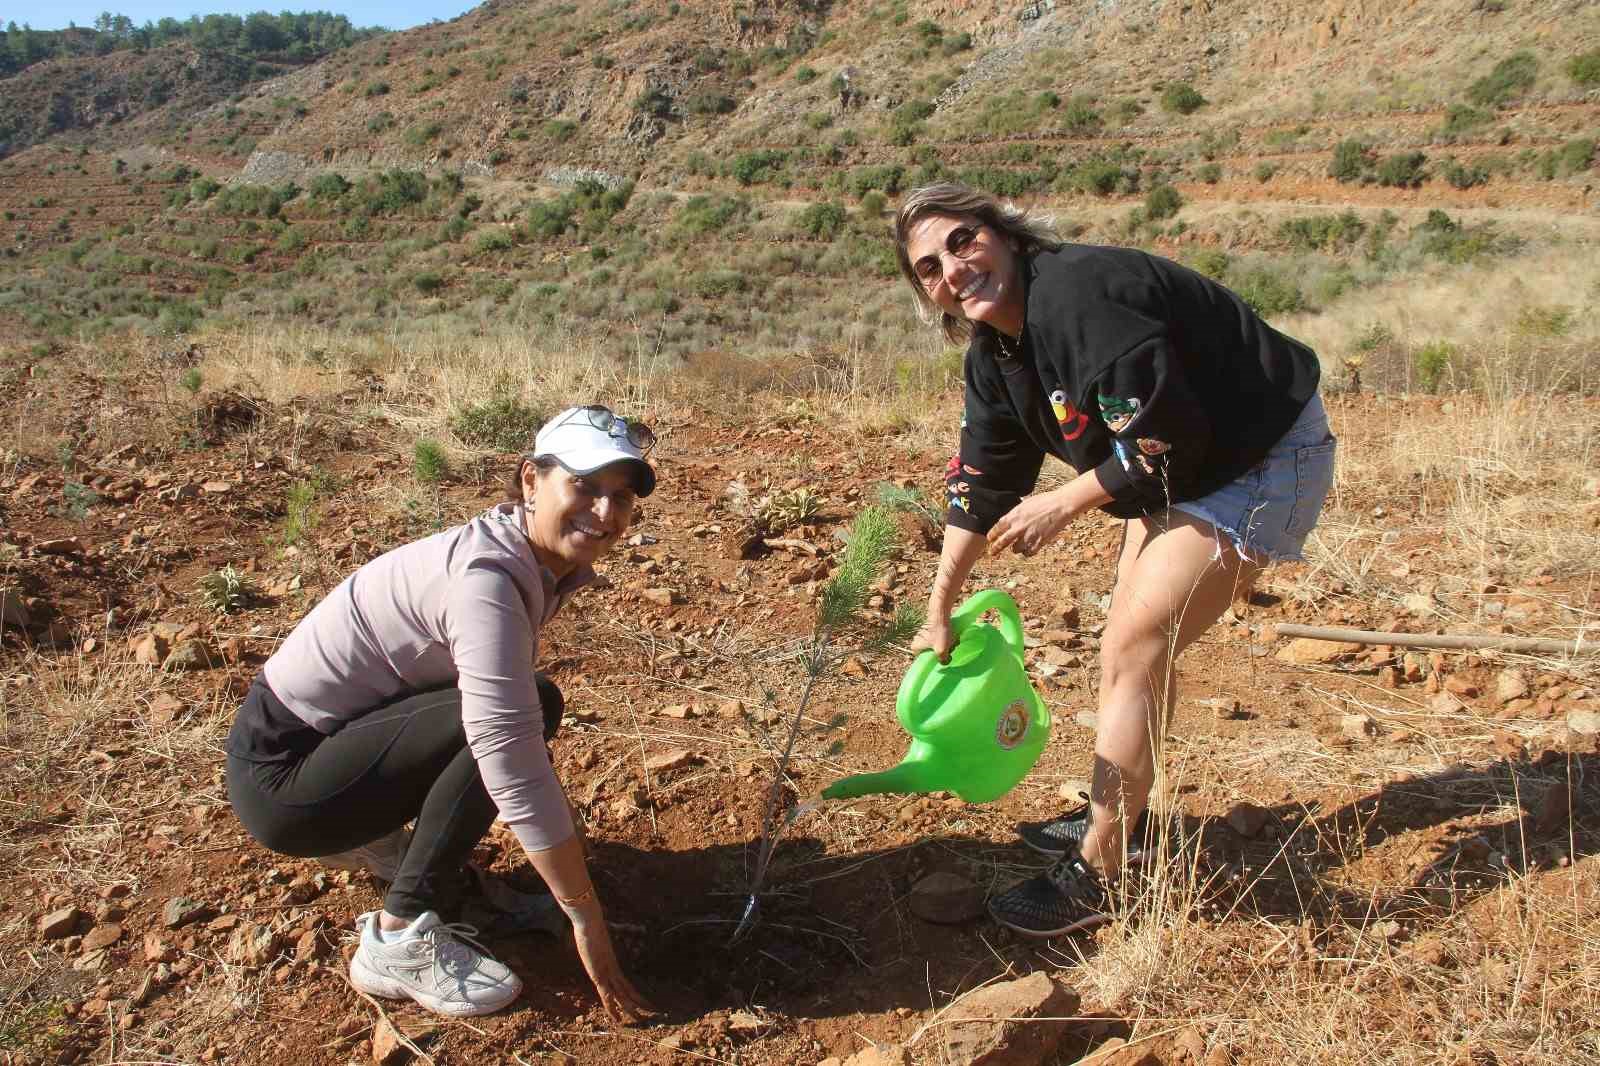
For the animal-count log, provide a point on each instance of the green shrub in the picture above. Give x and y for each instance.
(1212, 262)
(495, 240)
(422, 133)
(428, 463)
(505, 424)
(873, 203)
(428, 282)
(1403, 170)
(1163, 201)
(709, 103)
(559, 129)
(292, 240)
(1079, 116)
(823, 221)
(327, 187)
(1181, 98)
(1461, 119)
(1351, 160)
(376, 88)
(749, 168)
(203, 188)
(1432, 362)
(1322, 233)
(1510, 78)
(383, 120)
(806, 75)
(300, 512)
(191, 380)
(1268, 292)
(1585, 69)
(226, 590)
(1210, 173)
(1545, 323)
(1462, 176)
(886, 179)
(1126, 110)
(1264, 172)
(709, 214)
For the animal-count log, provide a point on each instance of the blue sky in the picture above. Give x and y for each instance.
(395, 14)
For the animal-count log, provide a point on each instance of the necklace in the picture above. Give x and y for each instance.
(1009, 349)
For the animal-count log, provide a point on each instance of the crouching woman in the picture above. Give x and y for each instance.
(409, 694)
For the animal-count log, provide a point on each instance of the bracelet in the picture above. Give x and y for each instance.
(577, 901)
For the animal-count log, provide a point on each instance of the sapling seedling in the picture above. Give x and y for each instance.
(871, 541)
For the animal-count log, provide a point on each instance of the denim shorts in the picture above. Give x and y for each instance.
(1268, 511)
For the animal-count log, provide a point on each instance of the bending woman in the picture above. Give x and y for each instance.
(409, 693)
(1184, 414)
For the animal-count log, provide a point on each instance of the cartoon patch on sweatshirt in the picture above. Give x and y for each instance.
(1118, 414)
(1073, 421)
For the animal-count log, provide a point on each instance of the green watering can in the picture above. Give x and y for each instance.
(976, 724)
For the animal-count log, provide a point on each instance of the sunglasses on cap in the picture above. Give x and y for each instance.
(960, 242)
(604, 419)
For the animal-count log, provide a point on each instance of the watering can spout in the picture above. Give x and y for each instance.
(907, 777)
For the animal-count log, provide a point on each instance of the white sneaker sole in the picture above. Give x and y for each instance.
(367, 980)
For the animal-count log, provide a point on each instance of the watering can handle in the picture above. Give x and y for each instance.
(962, 617)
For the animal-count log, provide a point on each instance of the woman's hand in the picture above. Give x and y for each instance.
(936, 634)
(621, 1000)
(1033, 523)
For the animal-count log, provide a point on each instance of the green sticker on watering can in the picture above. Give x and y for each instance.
(976, 724)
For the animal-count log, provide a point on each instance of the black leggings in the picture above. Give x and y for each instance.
(406, 760)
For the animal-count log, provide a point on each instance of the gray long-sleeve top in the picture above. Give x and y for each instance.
(462, 607)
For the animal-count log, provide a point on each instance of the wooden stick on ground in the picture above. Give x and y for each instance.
(1443, 640)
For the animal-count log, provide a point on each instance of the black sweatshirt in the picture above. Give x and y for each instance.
(1163, 382)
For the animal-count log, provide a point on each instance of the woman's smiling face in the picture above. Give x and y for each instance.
(977, 279)
(576, 518)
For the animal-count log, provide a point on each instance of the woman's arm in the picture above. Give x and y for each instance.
(962, 550)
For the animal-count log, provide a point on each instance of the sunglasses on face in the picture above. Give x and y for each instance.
(602, 418)
(959, 242)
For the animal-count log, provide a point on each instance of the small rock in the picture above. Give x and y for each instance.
(1073, 791)
(946, 899)
(679, 711)
(181, 911)
(192, 654)
(217, 488)
(662, 596)
(1358, 726)
(852, 668)
(1457, 685)
(148, 649)
(1414, 667)
(1584, 723)
(1509, 745)
(61, 923)
(670, 760)
(880, 1055)
(101, 936)
(1248, 819)
(1087, 719)
(1555, 808)
(997, 1024)
(59, 546)
(742, 1021)
(386, 1046)
(1510, 685)
(1306, 651)
(1419, 606)
(13, 612)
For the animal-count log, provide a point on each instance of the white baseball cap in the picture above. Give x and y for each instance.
(586, 439)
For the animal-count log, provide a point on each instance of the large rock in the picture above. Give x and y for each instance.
(999, 1026)
(1306, 651)
(1510, 685)
(946, 899)
(57, 924)
(880, 1055)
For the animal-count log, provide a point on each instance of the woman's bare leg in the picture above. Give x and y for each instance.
(1173, 582)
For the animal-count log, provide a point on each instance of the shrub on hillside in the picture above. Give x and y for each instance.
(1212, 262)
(1268, 292)
(1322, 233)
(1585, 69)
(763, 165)
(495, 240)
(1265, 172)
(504, 423)
(1461, 119)
(559, 129)
(709, 102)
(1461, 175)
(1403, 170)
(1163, 201)
(823, 220)
(428, 282)
(886, 179)
(1210, 173)
(1433, 361)
(1510, 78)
(203, 188)
(1351, 160)
(327, 187)
(548, 218)
(709, 214)
(1180, 98)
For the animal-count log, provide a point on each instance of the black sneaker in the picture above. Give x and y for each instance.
(1060, 835)
(1067, 898)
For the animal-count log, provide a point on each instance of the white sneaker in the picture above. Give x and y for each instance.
(381, 858)
(438, 965)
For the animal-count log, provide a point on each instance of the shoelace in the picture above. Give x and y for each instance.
(456, 947)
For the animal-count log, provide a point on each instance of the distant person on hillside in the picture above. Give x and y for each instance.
(409, 693)
(1184, 414)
